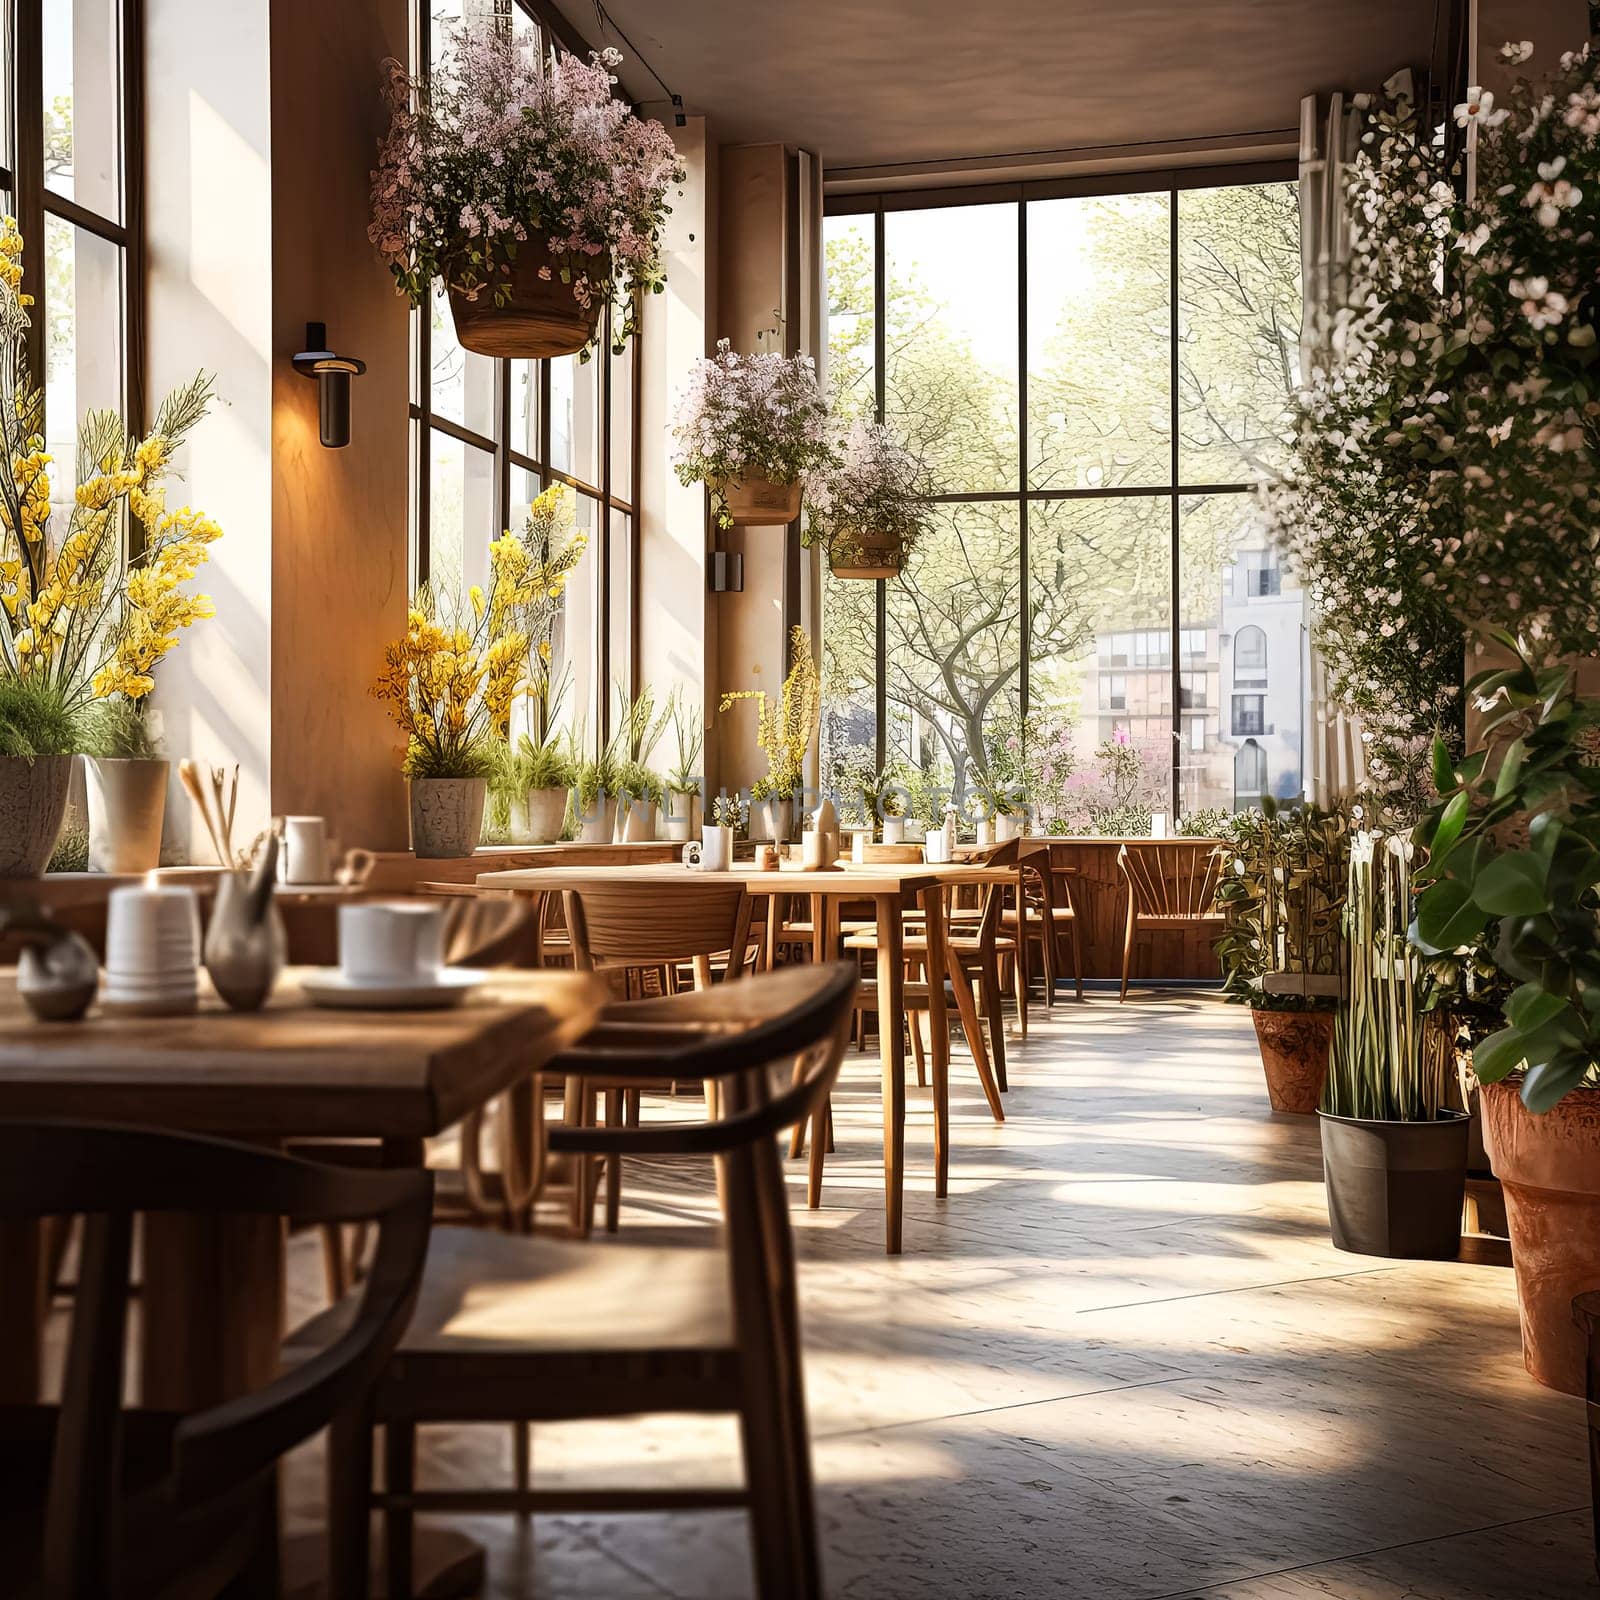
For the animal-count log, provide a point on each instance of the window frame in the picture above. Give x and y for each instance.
(1171, 182)
(424, 422)
(32, 200)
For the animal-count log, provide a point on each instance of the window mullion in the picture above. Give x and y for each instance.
(880, 345)
(27, 143)
(1175, 619)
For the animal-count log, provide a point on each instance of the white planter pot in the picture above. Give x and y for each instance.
(446, 816)
(985, 829)
(678, 822)
(636, 820)
(596, 825)
(33, 797)
(127, 801)
(894, 830)
(1005, 827)
(543, 816)
(716, 849)
(776, 818)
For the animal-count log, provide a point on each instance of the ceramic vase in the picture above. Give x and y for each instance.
(446, 816)
(245, 944)
(33, 799)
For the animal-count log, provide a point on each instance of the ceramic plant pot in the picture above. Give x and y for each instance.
(775, 820)
(680, 820)
(446, 816)
(1396, 1188)
(894, 830)
(1294, 1056)
(597, 824)
(127, 804)
(539, 318)
(33, 799)
(757, 502)
(1549, 1170)
(636, 820)
(545, 811)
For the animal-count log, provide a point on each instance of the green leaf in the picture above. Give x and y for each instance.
(1505, 779)
(1451, 822)
(1531, 1007)
(1444, 777)
(1548, 1081)
(1499, 1055)
(1447, 918)
(1512, 885)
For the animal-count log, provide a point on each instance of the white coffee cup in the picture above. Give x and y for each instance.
(306, 856)
(935, 846)
(391, 941)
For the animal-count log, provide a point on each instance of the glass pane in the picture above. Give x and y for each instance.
(460, 516)
(847, 247)
(1239, 311)
(1099, 342)
(83, 103)
(621, 634)
(849, 738)
(83, 343)
(463, 383)
(1100, 663)
(523, 378)
(951, 342)
(575, 418)
(622, 422)
(575, 663)
(524, 490)
(1243, 641)
(954, 651)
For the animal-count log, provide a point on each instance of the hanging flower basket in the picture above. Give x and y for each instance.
(755, 501)
(869, 555)
(527, 313)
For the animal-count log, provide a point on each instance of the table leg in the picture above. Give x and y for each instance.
(891, 1045)
(939, 1036)
(23, 1256)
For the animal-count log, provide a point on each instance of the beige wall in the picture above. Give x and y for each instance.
(261, 138)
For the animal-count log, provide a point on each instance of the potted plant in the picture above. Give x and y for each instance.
(125, 778)
(717, 834)
(529, 786)
(1513, 859)
(596, 789)
(684, 780)
(81, 618)
(751, 428)
(527, 187)
(1394, 1141)
(868, 508)
(1281, 891)
(640, 787)
(784, 734)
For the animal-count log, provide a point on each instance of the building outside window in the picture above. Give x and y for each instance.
(1249, 715)
(1093, 410)
(1249, 775)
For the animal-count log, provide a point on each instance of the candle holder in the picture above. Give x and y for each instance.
(152, 950)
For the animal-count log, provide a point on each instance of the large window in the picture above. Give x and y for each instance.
(70, 167)
(1094, 383)
(488, 435)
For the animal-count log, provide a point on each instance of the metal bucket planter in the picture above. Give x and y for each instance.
(755, 501)
(127, 804)
(446, 816)
(33, 799)
(540, 316)
(1294, 1056)
(1396, 1188)
(1549, 1169)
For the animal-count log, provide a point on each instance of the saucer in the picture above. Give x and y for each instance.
(329, 986)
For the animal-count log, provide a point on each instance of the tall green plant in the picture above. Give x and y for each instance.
(1391, 1060)
(1513, 857)
(689, 735)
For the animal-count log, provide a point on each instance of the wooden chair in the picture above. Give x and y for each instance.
(533, 1329)
(1171, 884)
(702, 925)
(1586, 1313)
(102, 1500)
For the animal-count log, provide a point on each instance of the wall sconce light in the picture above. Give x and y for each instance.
(333, 373)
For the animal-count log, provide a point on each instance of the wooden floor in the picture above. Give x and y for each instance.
(1122, 1360)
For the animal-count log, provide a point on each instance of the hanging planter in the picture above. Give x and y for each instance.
(528, 313)
(868, 509)
(751, 428)
(525, 186)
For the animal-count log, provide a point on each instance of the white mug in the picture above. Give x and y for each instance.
(391, 941)
(306, 857)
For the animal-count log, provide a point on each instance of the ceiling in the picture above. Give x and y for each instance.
(873, 83)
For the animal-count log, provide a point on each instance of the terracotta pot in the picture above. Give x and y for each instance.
(868, 555)
(33, 799)
(1294, 1056)
(758, 502)
(446, 816)
(541, 317)
(127, 804)
(1549, 1170)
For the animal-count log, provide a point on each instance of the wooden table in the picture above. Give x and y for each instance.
(891, 890)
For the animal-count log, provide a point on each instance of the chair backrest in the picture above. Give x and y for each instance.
(484, 930)
(642, 923)
(1171, 877)
(107, 1174)
(1003, 854)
